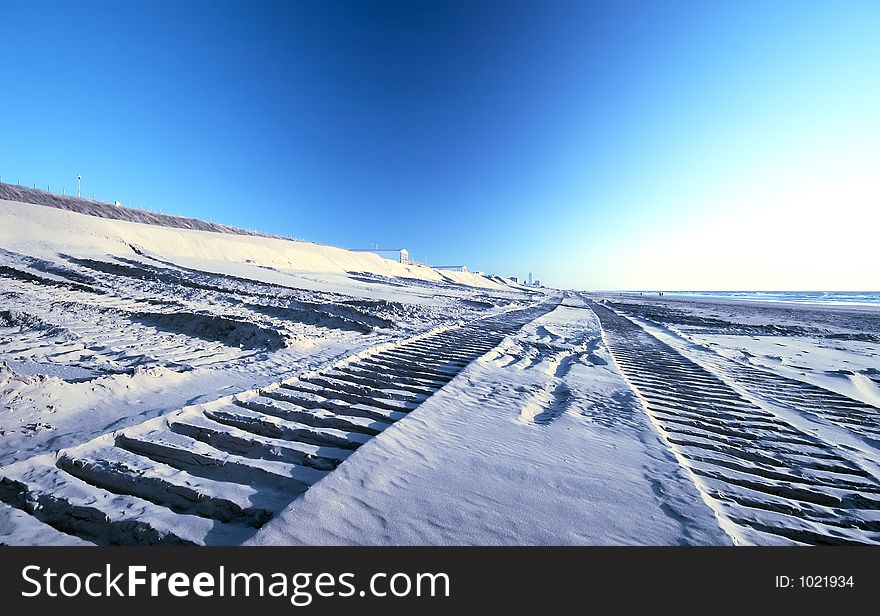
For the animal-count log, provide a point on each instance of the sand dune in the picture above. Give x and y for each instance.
(177, 384)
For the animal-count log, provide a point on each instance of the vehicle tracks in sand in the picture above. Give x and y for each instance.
(212, 474)
(767, 480)
(854, 415)
(857, 416)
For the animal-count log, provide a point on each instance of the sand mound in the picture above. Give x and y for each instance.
(231, 332)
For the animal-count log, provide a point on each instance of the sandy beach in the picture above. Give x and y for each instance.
(401, 305)
(168, 385)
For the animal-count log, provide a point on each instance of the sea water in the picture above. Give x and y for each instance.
(869, 298)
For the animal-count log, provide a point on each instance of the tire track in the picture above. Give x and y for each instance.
(213, 474)
(767, 481)
(854, 415)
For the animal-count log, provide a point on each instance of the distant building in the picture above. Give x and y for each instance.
(530, 278)
(404, 256)
(537, 283)
(514, 279)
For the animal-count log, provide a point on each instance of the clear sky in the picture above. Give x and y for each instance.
(600, 145)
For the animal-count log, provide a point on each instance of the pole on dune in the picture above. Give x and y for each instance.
(78, 180)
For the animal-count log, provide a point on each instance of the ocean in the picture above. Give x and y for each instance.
(868, 298)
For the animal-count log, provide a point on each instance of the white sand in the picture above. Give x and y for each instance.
(197, 383)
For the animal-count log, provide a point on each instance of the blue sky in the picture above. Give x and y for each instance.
(611, 145)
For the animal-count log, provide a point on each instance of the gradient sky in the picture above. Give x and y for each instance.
(607, 145)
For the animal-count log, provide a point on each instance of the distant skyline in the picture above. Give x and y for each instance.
(677, 145)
